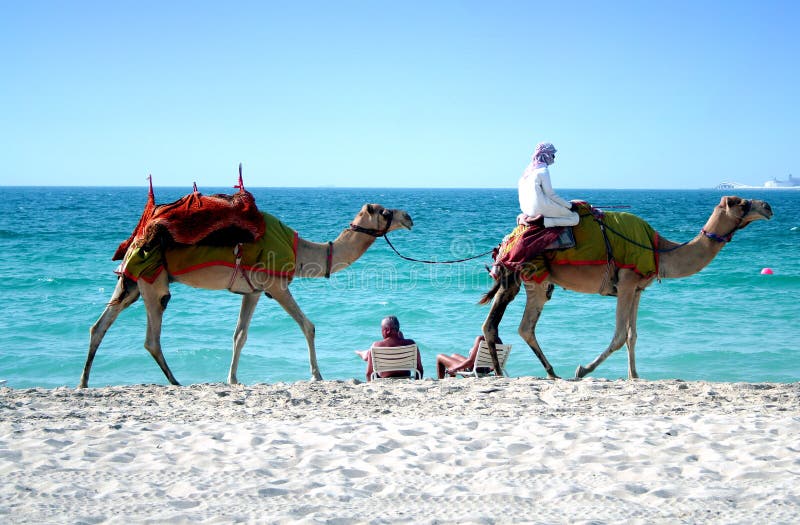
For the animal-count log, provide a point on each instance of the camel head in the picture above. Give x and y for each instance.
(733, 214)
(740, 212)
(375, 220)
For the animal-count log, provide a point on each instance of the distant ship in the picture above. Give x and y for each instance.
(790, 183)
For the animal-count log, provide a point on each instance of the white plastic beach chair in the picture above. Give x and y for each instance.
(393, 359)
(483, 361)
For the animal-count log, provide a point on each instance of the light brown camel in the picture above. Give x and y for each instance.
(675, 260)
(313, 260)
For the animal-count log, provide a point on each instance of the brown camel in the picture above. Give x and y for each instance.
(313, 260)
(675, 260)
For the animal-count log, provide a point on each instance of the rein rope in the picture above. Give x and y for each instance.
(385, 230)
(434, 262)
(639, 245)
(728, 237)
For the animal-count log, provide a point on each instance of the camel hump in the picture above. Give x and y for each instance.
(220, 219)
(216, 220)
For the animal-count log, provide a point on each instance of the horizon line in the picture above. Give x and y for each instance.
(331, 187)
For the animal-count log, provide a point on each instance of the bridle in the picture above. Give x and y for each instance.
(375, 232)
(748, 204)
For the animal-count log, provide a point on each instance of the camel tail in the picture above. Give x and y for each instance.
(488, 296)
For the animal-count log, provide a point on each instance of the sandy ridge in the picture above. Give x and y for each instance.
(498, 397)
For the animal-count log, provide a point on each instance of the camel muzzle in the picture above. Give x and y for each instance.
(764, 209)
(403, 219)
(758, 210)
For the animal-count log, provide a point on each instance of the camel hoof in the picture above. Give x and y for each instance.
(580, 372)
(316, 377)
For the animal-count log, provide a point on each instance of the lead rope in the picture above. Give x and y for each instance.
(433, 262)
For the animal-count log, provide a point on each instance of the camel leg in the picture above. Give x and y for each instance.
(249, 302)
(155, 297)
(125, 294)
(626, 302)
(505, 294)
(537, 295)
(632, 335)
(287, 302)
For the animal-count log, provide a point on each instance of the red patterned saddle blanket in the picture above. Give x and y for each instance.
(218, 219)
(525, 242)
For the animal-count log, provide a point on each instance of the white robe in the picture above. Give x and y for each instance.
(537, 197)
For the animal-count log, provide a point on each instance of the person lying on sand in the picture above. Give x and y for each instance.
(450, 364)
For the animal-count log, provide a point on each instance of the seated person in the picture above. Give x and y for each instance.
(450, 364)
(536, 195)
(392, 336)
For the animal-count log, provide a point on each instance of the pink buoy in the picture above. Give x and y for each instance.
(766, 271)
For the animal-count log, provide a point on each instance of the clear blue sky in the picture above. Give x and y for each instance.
(637, 94)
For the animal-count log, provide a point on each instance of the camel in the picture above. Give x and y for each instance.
(675, 261)
(312, 260)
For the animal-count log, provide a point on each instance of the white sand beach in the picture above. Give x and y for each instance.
(522, 450)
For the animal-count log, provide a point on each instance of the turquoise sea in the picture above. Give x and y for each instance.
(727, 323)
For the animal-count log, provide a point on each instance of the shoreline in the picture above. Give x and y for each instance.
(354, 398)
(492, 450)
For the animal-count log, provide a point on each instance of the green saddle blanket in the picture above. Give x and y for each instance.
(273, 254)
(632, 241)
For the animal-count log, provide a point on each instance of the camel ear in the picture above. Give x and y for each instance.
(730, 201)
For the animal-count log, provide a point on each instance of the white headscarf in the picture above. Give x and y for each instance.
(545, 152)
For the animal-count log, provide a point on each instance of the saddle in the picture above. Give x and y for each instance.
(529, 239)
(611, 239)
(215, 220)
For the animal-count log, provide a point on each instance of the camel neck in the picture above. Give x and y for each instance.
(688, 259)
(699, 252)
(313, 259)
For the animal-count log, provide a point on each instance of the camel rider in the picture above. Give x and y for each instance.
(536, 194)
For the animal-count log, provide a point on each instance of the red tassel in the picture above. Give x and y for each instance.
(149, 209)
(241, 184)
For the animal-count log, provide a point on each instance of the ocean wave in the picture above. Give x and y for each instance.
(9, 234)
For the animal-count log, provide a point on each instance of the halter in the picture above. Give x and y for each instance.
(729, 236)
(387, 214)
